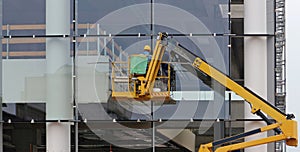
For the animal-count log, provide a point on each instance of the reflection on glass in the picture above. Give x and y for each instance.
(23, 112)
(109, 34)
(94, 60)
(194, 16)
(24, 70)
(18, 12)
(115, 16)
(95, 135)
(24, 137)
(24, 48)
(104, 67)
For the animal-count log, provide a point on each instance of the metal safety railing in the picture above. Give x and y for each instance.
(105, 45)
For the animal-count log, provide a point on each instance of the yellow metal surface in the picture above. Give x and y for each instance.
(269, 127)
(154, 67)
(155, 96)
(290, 130)
(250, 143)
(205, 148)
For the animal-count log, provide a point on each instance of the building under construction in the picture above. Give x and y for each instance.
(144, 75)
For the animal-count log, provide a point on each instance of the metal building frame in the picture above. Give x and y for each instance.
(280, 62)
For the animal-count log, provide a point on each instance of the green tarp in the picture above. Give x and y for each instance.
(138, 64)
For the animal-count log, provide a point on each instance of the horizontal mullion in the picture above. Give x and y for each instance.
(36, 36)
(130, 121)
(138, 35)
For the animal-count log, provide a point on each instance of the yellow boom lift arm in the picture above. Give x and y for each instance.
(284, 126)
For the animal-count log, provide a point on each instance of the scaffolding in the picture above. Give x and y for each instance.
(280, 63)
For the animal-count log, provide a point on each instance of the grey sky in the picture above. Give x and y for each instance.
(293, 58)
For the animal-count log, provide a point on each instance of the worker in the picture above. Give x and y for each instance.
(147, 51)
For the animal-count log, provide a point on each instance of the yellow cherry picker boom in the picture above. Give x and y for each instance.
(143, 85)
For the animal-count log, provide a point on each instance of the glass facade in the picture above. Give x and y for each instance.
(72, 81)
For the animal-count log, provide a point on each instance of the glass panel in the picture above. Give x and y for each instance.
(114, 16)
(24, 17)
(213, 50)
(237, 51)
(175, 135)
(24, 137)
(24, 48)
(193, 16)
(23, 112)
(99, 63)
(18, 12)
(115, 136)
(25, 70)
(196, 95)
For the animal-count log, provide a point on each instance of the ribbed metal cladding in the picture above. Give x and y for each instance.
(280, 63)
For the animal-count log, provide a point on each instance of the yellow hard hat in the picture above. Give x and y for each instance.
(147, 48)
